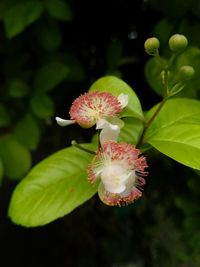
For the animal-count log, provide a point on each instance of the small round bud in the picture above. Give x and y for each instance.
(151, 46)
(178, 43)
(186, 73)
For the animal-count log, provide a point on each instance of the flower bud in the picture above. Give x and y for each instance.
(177, 43)
(186, 73)
(151, 46)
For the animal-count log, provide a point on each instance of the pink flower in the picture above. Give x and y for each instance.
(120, 169)
(97, 108)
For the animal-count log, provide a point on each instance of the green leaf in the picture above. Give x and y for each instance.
(48, 34)
(42, 106)
(5, 5)
(131, 131)
(52, 189)
(153, 75)
(190, 57)
(59, 9)
(4, 117)
(18, 89)
(16, 158)
(163, 30)
(1, 171)
(49, 76)
(116, 86)
(191, 30)
(176, 131)
(28, 132)
(21, 15)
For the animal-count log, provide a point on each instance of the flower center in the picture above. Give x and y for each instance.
(90, 107)
(114, 178)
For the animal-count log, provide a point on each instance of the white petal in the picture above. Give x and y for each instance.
(101, 123)
(123, 99)
(114, 179)
(63, 122)
(115, 189)
(109, 132)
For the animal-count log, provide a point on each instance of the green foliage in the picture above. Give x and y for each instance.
(131, 131)
(48, 34)
(4, 117)
(49, 76)
(27, 132)
(116, 86)
(21, 15)
(191, 57)
(32, 65)
(154, 68)
(18, 89)
(53, 188)
(190, 225)
(58, 9)
(42, 105)
(15, 157)
(1, 171)
(176, 131)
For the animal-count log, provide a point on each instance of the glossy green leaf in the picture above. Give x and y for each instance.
(18, 89)
(58, 9)
(21, 15)
(49, 76)
(1, 171)
(131, 131)
(27, 132)
(176, 131)
(42, 105)
(4, 117)
(16, 158)
(117, 86)
(52, 189)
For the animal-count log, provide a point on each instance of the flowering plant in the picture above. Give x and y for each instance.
(113, 165)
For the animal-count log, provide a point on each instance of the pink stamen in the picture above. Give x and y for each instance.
(132, 161)
(89, 107)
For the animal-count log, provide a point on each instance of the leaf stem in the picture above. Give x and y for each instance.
(82, 148)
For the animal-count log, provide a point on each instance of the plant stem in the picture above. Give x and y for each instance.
(149, 122)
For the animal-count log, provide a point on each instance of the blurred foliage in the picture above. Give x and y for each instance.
(32, 65)
(42, 70)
